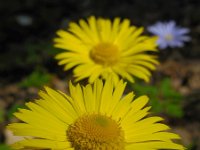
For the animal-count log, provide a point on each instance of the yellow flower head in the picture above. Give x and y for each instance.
(93, 117)
(98, 48)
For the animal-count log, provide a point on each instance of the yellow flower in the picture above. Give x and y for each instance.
(98, 48)
(95, 117)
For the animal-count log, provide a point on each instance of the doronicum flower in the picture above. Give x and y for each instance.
(169, 34)
(98, 48)
(93, 117)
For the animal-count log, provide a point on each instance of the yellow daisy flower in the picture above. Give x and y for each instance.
(98, 48)
(93, 117)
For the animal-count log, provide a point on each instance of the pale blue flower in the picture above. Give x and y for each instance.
(169, 35)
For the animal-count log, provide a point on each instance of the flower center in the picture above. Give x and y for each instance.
(105, 54)
(169, 37)
(93, 132)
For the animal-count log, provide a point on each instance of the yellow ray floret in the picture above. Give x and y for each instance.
(92, 117)
(98, 48)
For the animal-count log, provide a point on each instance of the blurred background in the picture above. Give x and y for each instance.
(27, 29)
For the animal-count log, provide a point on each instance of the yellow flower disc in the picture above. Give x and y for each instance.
(96, 132)
(105, 54)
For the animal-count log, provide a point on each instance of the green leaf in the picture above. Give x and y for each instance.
(36, 79)
(163, 98)
(168, 91)
(174, 110)
(157, 106)
(4, 147)
(13, 109)
(1, 115)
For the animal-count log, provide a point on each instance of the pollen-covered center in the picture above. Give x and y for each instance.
(105, 54)
(169, 37)
(96, 132)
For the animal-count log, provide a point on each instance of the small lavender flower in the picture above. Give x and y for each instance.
(169, 34)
